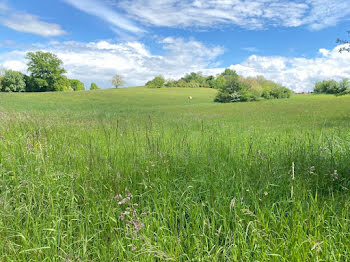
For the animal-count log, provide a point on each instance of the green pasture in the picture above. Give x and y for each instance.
(139, 174)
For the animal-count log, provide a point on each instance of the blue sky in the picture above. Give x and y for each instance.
(291, 42)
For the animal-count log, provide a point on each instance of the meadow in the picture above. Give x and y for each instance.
(139, 174)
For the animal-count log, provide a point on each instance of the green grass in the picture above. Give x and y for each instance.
(205, 181)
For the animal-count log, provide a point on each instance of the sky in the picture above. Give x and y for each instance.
(290, 42)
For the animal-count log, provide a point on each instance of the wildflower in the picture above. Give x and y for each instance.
(124, 201)
(266, 193)
(133, 248)
(128, 194)
(118, 197)
(335, 175)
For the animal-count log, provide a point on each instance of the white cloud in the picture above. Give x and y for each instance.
(299, 74)
(99, 61)
(251, 14)
(27, 23)
(105, 12)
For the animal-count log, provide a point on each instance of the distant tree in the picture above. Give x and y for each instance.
(47, 67)
(117, 81)
(326, 87)
(344, 87)
(93, 86)
(157, 82)
(13, 81)
(235, 88)
(344, 42)
(76, 85)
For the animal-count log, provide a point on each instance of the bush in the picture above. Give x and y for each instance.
(157, 82)
(326, 87)
(93, 86)
(61, 83)
(13, 81)
(234, 88)
(76, 85)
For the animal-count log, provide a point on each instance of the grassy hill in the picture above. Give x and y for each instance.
(140, 174)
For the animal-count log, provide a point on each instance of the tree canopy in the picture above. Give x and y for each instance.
(76, 85)
(157, 82)
(12, 81)
(93, 86)
(332, 87)
(117, 81)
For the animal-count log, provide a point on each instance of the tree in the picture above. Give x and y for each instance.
(76, 85)
(157, 82)
(13, 81)
(93, 86)
(326, 87)
(47, 67)
(117, 81)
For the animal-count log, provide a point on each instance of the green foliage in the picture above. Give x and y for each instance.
(76, 85)
(36, 84)
(60, 83)
(48, 67)
(44, 65)
(12, 81)
(332, 87)
(157, 82)
(117, 81)
(93, 86)
(239, 89)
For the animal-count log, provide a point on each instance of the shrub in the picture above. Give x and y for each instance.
(93, 86)
(157, 82)
(13, 81)
(76, 85)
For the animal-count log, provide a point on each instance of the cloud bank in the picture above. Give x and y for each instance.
(99, 61)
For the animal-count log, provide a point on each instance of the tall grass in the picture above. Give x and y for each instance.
(143, 175)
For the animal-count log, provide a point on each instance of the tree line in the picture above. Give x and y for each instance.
(46, 74)
(341, 87)
(231, 86)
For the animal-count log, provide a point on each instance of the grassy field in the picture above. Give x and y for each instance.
(143, 175)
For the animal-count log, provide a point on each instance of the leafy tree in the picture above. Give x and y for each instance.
(157, 82)
(234, 88)
(117, 81)
(210, 82)
(13, 81)
(93, 86)
(344, 87)
(220, 82)
(48, 67)
(76, 85)
(326, 87)
(61, 83)
(36, 84)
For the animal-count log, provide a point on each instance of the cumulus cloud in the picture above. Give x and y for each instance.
(250, 14)
(99, 61)
(27, 23)
(299, 74)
